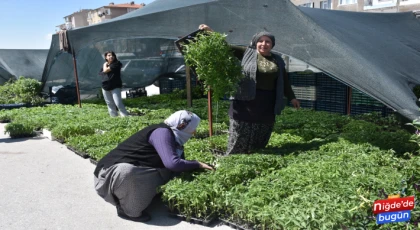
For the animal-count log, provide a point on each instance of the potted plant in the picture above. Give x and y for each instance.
(216, 66)
(19, 130)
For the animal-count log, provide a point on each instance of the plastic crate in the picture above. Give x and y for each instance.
(307, 104)
(323, 79)
(321, 92)
(331, 95)
(305, 92)
(304, 86)
(65, 95)
(362, 103)
(168, 85)
(333, 107)
(359, 98)
(300, 79)
(360, 109)
(136, 92)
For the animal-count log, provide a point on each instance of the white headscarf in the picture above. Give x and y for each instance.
(183, 123)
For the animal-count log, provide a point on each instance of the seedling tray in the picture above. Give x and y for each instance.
(38, 132)
(95, 162)
(135, 114)
(22, 136)
(61, 141)
(218, 152)
(186, 40)
(234, 225)
(84, 155)
(14, 106)
(193, 220)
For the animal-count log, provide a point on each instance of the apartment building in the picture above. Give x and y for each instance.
(363, 5)
(75, 20)
(87, 17)
(111, 11)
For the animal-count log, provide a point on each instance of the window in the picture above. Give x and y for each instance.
(108, 11)
(325, 4)
(308, 5)
(368, 2)
(346, 2)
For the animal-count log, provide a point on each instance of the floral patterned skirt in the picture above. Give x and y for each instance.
(245, 137)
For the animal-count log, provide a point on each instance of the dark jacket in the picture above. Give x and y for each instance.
(112, 79)
(248, 85)
(136, 150)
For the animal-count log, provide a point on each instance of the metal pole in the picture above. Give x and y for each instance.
(349, 100)
(287, 61)
(188, 78)
(77, 79)
(210, 113)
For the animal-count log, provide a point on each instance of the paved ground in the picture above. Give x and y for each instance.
(43, 185)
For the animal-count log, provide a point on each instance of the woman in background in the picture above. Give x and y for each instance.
(112, 84)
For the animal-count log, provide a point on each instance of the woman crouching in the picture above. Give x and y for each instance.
(129, 175)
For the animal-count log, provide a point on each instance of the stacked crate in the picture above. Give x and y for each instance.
(304, 87)
(362, 103)
(136, 92)
(323, 93)
(331, 95)
(168, 85)
(66, 95)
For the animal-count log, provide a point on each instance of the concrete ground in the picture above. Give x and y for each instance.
(43, 185)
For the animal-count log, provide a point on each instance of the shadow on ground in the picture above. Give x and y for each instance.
(160, 213)
(16, 140)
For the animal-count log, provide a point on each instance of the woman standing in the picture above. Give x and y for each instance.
(259, 97)
(112, 84)
(129, 175)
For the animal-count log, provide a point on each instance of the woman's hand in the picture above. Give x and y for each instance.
(105, 68)
(204, 27)
(295, 103)
(205, 166)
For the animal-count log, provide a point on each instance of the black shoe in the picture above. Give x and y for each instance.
(143, 218)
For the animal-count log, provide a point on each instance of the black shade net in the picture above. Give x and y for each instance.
(16, 63)
(376, 53)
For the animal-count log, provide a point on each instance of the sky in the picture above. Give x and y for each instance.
(29, 24)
